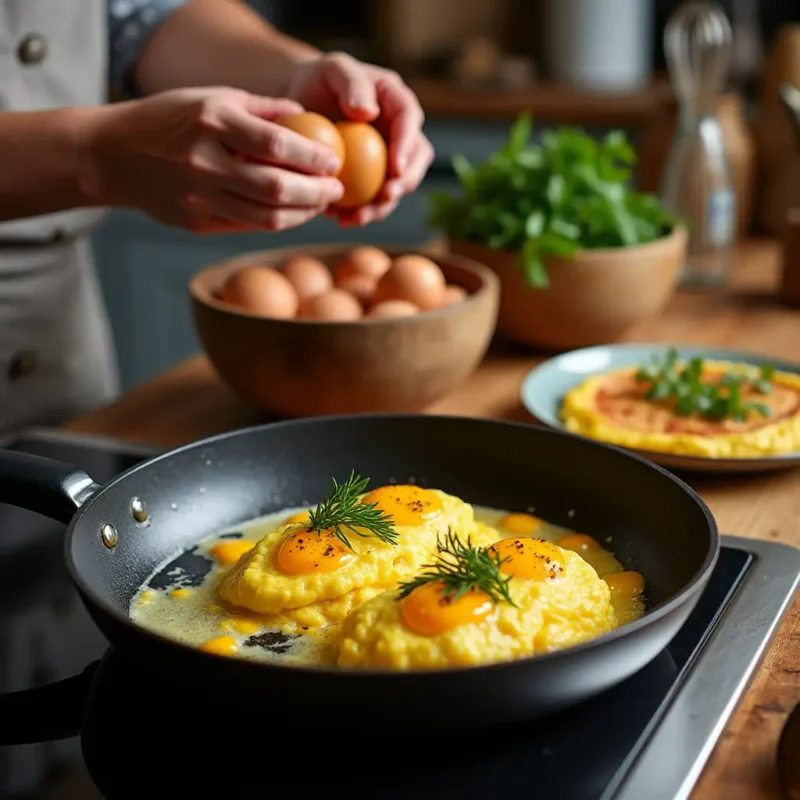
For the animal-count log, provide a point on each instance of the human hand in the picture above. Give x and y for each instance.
(339, 87)
(210, 160)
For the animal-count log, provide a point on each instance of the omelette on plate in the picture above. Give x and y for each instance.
(699, 407)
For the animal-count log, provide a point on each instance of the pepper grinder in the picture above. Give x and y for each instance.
(697, 183)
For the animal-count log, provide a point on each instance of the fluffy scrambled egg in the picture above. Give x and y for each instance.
(612, 408)
(558, 601)
(291, 568)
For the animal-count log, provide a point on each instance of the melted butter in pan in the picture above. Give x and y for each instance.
(180, 602)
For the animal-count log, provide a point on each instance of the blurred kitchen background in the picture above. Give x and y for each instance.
(475, 65)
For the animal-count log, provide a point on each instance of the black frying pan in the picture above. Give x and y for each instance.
(658, 524)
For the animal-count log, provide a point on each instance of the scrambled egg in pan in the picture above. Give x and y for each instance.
(292, 568)
(558, 600)
(328, 604)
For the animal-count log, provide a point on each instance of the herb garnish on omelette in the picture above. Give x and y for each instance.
(697, 407)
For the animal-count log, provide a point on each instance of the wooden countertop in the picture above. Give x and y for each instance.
(189, 403)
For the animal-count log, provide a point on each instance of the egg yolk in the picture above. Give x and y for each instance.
(429, 612)
(243, 626)
(630, 583)
(406, 505)
(182, 592)
(300, 516)
(521, 523)
(533, 559)
(221, 646)
(145, 597)
(307, 551)
(578, 543)
(229, 552)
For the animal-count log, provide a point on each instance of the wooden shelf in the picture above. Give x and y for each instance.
(547, 102)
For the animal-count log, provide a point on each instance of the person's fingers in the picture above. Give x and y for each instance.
(278, 187)
(242, 211)
(265, 141)
(420, 161)
(270, 108)
(399, 105)
(351, 83)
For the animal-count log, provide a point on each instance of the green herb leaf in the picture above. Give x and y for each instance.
(552, 198)
(460, 568)
(684, 387)
(343, 511)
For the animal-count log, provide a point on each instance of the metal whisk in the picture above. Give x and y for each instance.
(697, 41)
(697, 182)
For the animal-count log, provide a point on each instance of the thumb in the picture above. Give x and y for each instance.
(270, 108)
(355, 91)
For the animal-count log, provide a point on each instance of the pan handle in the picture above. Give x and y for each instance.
(43, 485)
(45, 713)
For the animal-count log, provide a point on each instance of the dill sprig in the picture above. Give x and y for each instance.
(461, 568)
(342, 510)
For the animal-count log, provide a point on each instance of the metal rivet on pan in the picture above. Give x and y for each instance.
(139, 509)
(110, 536)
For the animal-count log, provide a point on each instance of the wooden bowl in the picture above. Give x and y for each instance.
(308, 368)
(592, 299)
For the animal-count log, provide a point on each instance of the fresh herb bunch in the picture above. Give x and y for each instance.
(342, 511)
(460, 568)
(683, 384)
(568, 193)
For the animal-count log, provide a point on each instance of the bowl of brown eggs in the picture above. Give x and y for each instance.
(337, 329)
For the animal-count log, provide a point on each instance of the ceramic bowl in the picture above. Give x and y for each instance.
(308, 368)
(592, 299)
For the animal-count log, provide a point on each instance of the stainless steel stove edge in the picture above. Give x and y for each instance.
(673, 759)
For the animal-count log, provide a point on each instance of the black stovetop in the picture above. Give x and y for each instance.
(132, 732)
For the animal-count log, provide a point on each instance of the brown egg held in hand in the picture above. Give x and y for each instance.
(453, 294)
(362, 287)
(333, 306)
(392, 308)
(364, 170)
(261, 290)
(308, 275)
(363, 260)
(316, 127)
(413, 278)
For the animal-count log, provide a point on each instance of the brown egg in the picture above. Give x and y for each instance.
(308, 275)
(413, 278)
(392, 308)
(453, 294)
(364, 171)
(363, 260)
(261, 290)
(316, 127)
(362, 287)
(333, 306)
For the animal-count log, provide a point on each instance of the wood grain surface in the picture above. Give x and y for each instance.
(189, 403)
